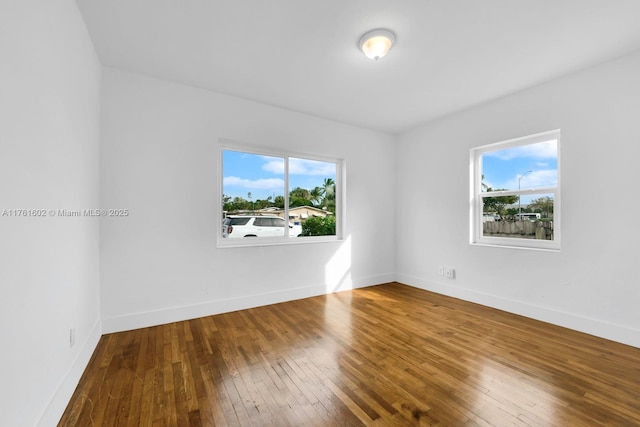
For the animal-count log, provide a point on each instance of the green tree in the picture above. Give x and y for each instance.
(226, 203)
(485, 186)
(251, 205)
(299, 201)
(497, 204)
(543, 205)
(329, 194)
(299, 193)
(262, 204)
(316, 195)
(235, 204)
(279, 202)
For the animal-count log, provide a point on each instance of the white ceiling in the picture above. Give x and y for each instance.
(302, 54)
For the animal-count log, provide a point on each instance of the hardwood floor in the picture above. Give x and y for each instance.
(388, 355)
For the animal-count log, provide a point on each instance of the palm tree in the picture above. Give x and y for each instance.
(316, 195)
(485, 187)
(329, 193)
(301, 193)
(329, 187)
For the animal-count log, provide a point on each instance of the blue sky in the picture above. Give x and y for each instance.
(536, 165)
(263, 176)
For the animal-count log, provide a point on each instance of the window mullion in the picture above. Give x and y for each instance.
(286, 196)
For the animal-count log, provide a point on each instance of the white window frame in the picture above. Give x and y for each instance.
(477, 195)
(340, 197)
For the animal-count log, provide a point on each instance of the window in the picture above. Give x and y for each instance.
(515, 192)
(269, 198)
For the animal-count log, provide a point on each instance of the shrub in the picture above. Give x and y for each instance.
(319, 226)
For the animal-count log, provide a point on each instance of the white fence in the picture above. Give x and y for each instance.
(541, 230)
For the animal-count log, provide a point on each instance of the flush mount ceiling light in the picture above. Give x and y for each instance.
(376, 43)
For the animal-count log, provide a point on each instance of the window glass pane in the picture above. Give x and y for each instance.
(252, 188)
(524, 167)
(312, 197)
(525, 217)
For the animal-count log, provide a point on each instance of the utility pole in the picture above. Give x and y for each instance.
(519, 205)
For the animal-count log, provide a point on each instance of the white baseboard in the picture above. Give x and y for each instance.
(175, 314)
(60, 399)
(599, 328)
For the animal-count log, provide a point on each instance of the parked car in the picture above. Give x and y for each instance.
(527, 216)
(257, 226)
(491, 217)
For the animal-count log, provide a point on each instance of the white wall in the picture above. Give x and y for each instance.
(49, 145)
(159, 159)
(593, 283)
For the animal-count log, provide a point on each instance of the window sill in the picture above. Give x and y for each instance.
(265, 241)
(507, 246)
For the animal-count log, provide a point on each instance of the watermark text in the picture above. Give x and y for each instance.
(41, 213)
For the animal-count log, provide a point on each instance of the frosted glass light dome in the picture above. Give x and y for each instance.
(376, 44)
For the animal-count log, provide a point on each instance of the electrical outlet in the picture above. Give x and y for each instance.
(450, 273)
(72, 337)
(441, 270)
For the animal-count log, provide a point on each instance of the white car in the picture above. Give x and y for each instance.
(257, 226)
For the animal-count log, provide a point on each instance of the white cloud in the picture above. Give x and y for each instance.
(535, 179)
(300, 167)
(255, 184)
(541, 150)
(275, 166)
(311, 167)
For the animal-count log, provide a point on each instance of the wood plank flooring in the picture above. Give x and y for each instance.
(388, 355)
